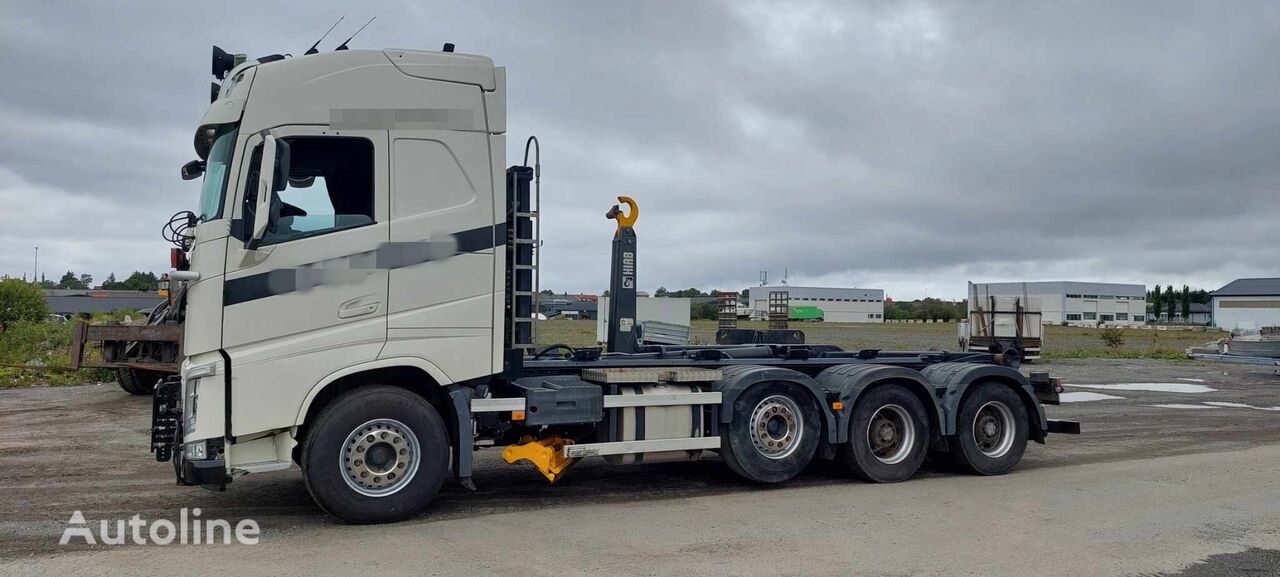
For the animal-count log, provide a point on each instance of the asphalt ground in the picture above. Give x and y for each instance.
(1168, 479)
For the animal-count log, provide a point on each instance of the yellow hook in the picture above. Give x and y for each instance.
(624, 220)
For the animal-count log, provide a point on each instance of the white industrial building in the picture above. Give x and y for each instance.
(1077, 303)
(671, 310)
(838, 305)
(1248, 303)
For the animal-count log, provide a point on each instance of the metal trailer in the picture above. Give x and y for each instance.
(141, 355)
(1009, 325)
(378, 448)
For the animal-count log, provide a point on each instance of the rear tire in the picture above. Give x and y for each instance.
(991, 430)
(888, 435)
(375, 454)
(137, 381)
(774, 433)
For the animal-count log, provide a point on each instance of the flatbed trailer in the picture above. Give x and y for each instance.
(380, 403)
(140, 354)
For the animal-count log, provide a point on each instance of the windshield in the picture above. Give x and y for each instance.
(216, 172)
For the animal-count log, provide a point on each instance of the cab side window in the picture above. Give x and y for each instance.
(330, 188)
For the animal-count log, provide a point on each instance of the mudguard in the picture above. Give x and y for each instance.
(954, 379)
(845, 383)
(737, 379)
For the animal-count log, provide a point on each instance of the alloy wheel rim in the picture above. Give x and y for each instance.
(379, 458)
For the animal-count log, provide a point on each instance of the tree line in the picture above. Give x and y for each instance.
(1170, 301)
(138, 281)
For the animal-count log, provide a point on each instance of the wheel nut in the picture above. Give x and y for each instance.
(369, 438)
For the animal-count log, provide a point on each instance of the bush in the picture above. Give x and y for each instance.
(43, 344)
(20, 301)
(1161, 352)
(1112, 337)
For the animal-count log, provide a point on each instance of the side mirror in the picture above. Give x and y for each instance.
(266, 187)
(193, 170)
(275, 162)
(281, 172)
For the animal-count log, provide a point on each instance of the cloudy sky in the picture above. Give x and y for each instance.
(909, 146)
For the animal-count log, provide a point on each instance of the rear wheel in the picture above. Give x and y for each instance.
(375, 454)
(991, 430)
(774, 433)
(888, 435)
(137, 381)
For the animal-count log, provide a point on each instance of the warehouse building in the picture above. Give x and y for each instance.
(83, 303)
(838, 305)
(1247, 303)
(1076, 303)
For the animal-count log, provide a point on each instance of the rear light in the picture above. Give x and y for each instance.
(178, 259)
(1057, 383)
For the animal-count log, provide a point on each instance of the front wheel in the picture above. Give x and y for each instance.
(376, 454)
(991, 430)
(774, 433)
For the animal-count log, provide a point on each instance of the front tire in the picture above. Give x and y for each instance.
(774, 433)
(375, 454)
(888, 435)
(991, 430)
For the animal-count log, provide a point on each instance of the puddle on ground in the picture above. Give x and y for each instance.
(1153, 387)
(1182, 406)
(1240, 405)
(1084, 396)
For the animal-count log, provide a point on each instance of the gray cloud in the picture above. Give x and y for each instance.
(911, 146)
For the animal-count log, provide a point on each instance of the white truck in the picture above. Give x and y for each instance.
(359, 302)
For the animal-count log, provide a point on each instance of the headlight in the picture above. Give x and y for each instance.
(197, 450)
(192, 387)
(197, 371)
(191, 391)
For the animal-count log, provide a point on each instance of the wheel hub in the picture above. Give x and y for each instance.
(994, 429)
(776, 426)
(379, 457)
(891, 434)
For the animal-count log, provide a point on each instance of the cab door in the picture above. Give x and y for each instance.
(310, 299)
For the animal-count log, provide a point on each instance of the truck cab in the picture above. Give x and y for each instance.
(373, 243)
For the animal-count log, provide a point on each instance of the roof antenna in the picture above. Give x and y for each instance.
(313, 50)
(344, 44)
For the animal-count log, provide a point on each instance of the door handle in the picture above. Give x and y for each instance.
(357, 308)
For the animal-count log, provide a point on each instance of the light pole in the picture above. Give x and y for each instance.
(35, 274)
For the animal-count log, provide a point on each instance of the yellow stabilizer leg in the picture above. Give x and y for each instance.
(545, 454)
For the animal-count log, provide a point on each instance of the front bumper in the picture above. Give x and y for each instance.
(166, 439)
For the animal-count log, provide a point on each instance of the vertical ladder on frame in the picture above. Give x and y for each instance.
(523, 251)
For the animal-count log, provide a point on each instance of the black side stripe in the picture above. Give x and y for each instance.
(390, 255)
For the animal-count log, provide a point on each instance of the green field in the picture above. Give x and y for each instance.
(1060, 342)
